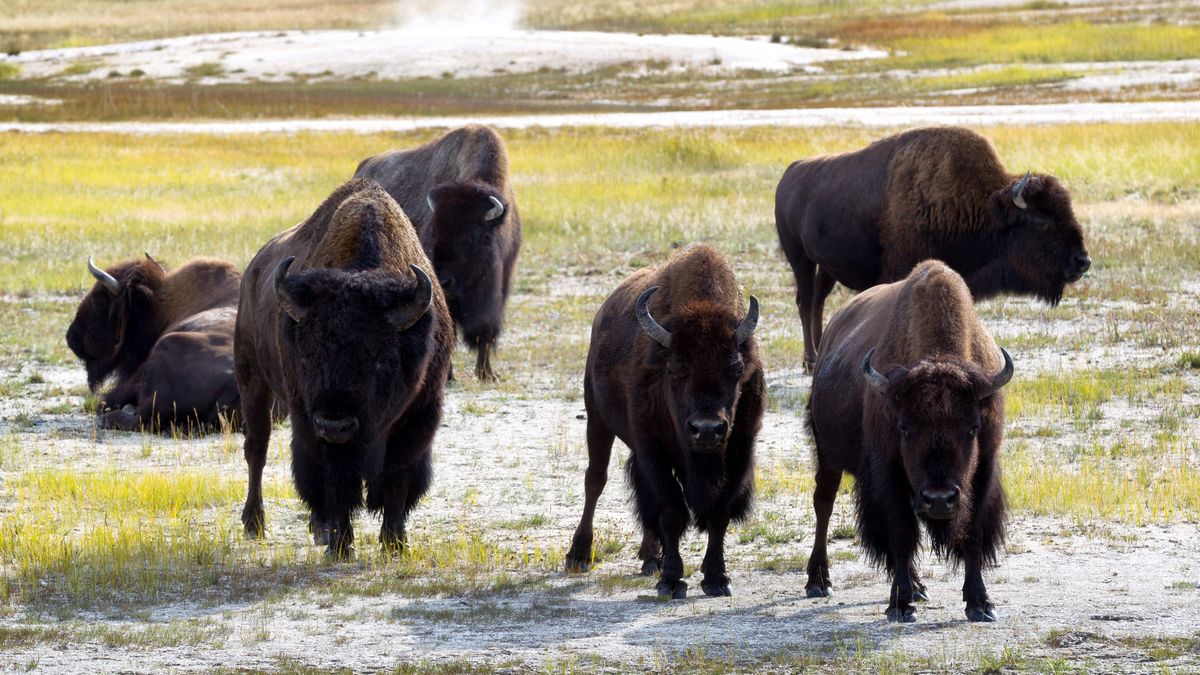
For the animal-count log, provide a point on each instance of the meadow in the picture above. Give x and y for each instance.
(132, 542)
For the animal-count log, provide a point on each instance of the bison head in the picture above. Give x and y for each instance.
(354, 343)
(116, 325)
(937, 409)
(465, 245)
(706, 357)
(1044, 241)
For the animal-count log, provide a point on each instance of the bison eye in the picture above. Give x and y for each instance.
(973, 431)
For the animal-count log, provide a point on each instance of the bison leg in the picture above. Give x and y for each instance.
(979, 606)
(399, 498)
(805, 270)
(256, 413)
(662, 506)
(650, 553)
(822, 286)
(901, 609)
(600, 441)
(483, 362)
(124, 419)
(716, 581)
(920, 594)
(824, 495)
(671, 523)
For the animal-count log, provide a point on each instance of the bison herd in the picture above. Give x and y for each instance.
(346, 322)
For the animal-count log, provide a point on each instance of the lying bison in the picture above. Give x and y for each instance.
(906, 397)
(339, 317)
(456, 192)
(868, 217)
(673, 371)
(168, 339)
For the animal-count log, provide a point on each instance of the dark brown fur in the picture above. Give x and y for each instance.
(344, 361)
(937, 357)
(645, 394)
(168, 340)
(869, 216)
(474, 258)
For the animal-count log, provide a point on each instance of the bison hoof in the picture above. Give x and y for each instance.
(320, 538)
(674, 590)
(818, 591)
(809, 366)
(253, 523)
(651, 567)
(716, 589)
(905, 614)
(920, 595)
(985, 612)
(575, 565)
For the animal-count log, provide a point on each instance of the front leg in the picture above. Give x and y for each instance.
(672, 523)
(716, 582)
(650, 553)
(900, 608)
(483, 362)
(662, 508)
(979, 606)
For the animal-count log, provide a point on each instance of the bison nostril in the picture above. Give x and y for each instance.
(1084, 262)
(707, 430)
(941, 498)
(339, 426)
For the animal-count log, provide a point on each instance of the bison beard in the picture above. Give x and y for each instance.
(686, 396)
(341, 320)
(921, 434)
(868, 217)
(168, 339)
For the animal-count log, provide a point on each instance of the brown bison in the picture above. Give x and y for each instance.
(168, 339)
(456, 192)
(673, 371)
(339, 318)
(906, 397)
(868, 217)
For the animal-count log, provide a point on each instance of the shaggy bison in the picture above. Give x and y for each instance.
(168, 339)
(868, 217)
(456, 192)
(673, 371)
(906, 397)
(340, 318)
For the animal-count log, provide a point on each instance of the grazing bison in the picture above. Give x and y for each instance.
(456, 192)
(168, 338)
(868, 217)
(673, 371)
(906, 397)
(339, 317)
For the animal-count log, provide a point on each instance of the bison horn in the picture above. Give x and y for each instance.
(403, 318)
(110, 282)
(1018, 189)
(281, 292)
(429, 201)
(151, 259)
(874, 378)
(655, 330)
(1001, 378)
(496, 211)
(746, 328)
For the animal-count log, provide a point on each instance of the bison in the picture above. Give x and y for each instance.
(673, 371)
(456, 192)
(868, 217)
(168, 339)
(907, 398)
(340, 318)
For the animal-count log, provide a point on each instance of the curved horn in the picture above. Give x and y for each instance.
(496, 211)
(1001, 378)
(746, 328)
(661, 335)
(1018, 198)
(151, 259)
(281, 294)
(874, 378)
(110, 282)
(429, 200)
(403, 318)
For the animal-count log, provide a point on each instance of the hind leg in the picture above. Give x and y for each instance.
(600, 441)
(650, 553)
(822, 286)
(828, 481)
(805, 272)
(256, 400)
